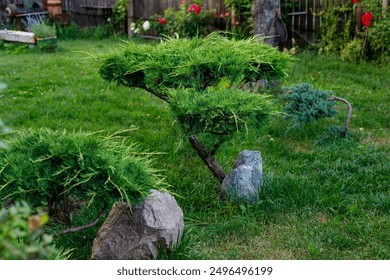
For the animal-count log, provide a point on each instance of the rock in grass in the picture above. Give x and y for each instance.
(138, 233)
(244, 182)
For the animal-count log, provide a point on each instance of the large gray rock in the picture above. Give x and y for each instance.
(138, 233)
(244, 182)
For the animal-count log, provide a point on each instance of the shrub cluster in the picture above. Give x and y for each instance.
(52, 168)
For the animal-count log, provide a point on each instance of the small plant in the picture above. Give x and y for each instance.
(22, 237)
(43, 30)
(304, 103)
(63, 171)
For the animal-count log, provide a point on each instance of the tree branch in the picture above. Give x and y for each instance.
(155, 93)
(207, 158)
(345, 101)
(79, 228)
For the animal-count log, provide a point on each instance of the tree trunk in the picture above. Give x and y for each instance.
(208, 158)
(267, 22)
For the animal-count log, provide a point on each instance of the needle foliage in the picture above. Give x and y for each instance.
(50, 168)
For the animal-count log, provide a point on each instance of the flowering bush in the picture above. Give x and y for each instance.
(190, 20)
(345, 39)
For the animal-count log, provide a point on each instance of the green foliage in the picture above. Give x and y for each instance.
(219, 111)
(340, 36)
(334, 33)
(193, 63)
(119, 10)
(379, 39)
(43, 30)
(304, 104)
(74, 31)
(352, 51)
(119, 16)
(52, 168)
(22, 237)
(238, 18)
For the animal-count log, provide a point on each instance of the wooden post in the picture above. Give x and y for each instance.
(267, 22)
(358, 17)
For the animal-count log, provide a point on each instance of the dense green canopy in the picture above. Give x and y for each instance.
(193, 63)
(201, 79)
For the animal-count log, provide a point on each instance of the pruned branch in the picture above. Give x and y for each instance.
(79, 228)
(208, 158)
(155, 93)
(346, 102)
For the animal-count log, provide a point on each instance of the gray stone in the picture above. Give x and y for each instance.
(138, 233)
(244, 182)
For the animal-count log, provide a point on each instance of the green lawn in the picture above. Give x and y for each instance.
(320, 202)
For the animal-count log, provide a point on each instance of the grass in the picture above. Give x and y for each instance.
(328, 201)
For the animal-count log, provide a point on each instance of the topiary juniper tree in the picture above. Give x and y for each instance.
(187, 74)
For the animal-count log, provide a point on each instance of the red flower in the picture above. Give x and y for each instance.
(355, 1)
(194, 8)
(162, 20)
(367, 18)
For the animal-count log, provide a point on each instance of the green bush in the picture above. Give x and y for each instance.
(379, 40)
(22, 237)
(304, 103)
(58, 169)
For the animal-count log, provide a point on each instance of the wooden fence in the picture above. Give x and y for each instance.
(88, 12)
(92, 12)
(303, 21)
(146, 8)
